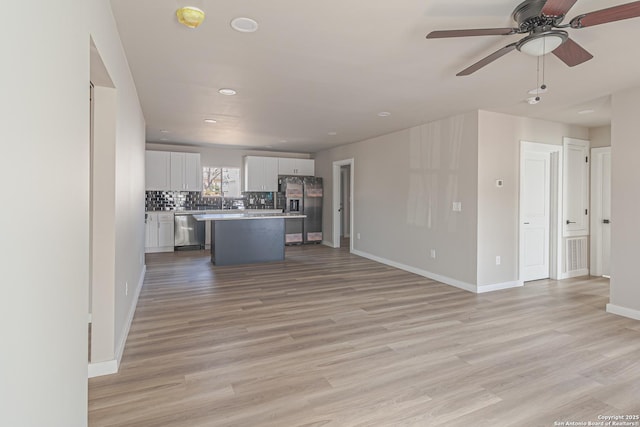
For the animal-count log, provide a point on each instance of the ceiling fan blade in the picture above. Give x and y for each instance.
(468, 33)
(557, 7)
(615, 13)
(571, 53)
(489, 59)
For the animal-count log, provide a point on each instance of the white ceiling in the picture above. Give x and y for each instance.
(315, 67)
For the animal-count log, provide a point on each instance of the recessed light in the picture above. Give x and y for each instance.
(586, 111)
(333, 133)
(227, 91)
(210, 121)
(244, 25)
(384, 114)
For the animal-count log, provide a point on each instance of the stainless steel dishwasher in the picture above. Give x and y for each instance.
(188, 233)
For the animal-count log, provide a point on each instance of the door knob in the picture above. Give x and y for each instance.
(606, 221)
(570, 222)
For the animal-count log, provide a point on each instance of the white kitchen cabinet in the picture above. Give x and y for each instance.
(260, 173)
(159, 232)
(157, 171)
(289, 166)
(186, 173)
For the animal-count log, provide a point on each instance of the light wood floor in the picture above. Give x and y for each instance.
(330, 339)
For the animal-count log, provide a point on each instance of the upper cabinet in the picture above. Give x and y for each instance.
(288, 166)
(167, 171)
(260, 173)
(157, 171)
(186, 173)
(576, 187)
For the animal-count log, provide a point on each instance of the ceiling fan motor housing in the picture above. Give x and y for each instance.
(528, 15)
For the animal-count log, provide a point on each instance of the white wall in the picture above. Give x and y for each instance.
(498, 208)
(44, 257)
(625, 208)
(45, 252)
(128, 169)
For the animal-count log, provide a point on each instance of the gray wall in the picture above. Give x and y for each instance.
(404, 187)
(625, 207)
(405, 184)
(498, 208)
(600, 136)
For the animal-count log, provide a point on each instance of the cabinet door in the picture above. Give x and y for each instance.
(165, 230)
(286, 166)
(157, 170)
(253, 173)
(192, 172)
(151, 230)
(576, 187)
(305, 167)
(177, 172)
(270, 177)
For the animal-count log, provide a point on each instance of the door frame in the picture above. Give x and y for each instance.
(555, 206)
(596, 209)
(337, 178)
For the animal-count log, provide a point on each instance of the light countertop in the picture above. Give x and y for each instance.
(254, 214)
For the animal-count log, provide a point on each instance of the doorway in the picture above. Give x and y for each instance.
(540, 216)
(343, 172)
(601, 211)
(345, 205)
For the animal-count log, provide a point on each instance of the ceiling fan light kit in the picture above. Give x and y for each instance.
(542, 19)
(538, 44)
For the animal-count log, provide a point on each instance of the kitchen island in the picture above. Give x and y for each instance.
(247, 237)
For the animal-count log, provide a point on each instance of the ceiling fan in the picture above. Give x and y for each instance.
(542, 19)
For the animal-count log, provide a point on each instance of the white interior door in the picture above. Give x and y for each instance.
(535, 214)
(601, 211)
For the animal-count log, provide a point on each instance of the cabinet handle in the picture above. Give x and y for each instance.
(570, 222)
(606, 221)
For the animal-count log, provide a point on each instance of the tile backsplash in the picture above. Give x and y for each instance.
(192, 200)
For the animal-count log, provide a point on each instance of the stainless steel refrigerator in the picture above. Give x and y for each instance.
(301, 194)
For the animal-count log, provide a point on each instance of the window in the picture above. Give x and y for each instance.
(224, 182)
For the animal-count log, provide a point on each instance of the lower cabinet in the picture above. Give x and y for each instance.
(158, 232)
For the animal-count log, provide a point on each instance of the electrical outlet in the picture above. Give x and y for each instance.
(498, 260)
(126, 288)
(358, 236)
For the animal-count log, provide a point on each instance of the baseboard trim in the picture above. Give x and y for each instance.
(429, 275)
(575, 273)
(109, 367)
(328, 243)
(100, 369)
(132, 312)
(623, 311)
(500, 286)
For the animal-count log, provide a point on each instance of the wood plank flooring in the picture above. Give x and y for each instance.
(327, 338)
